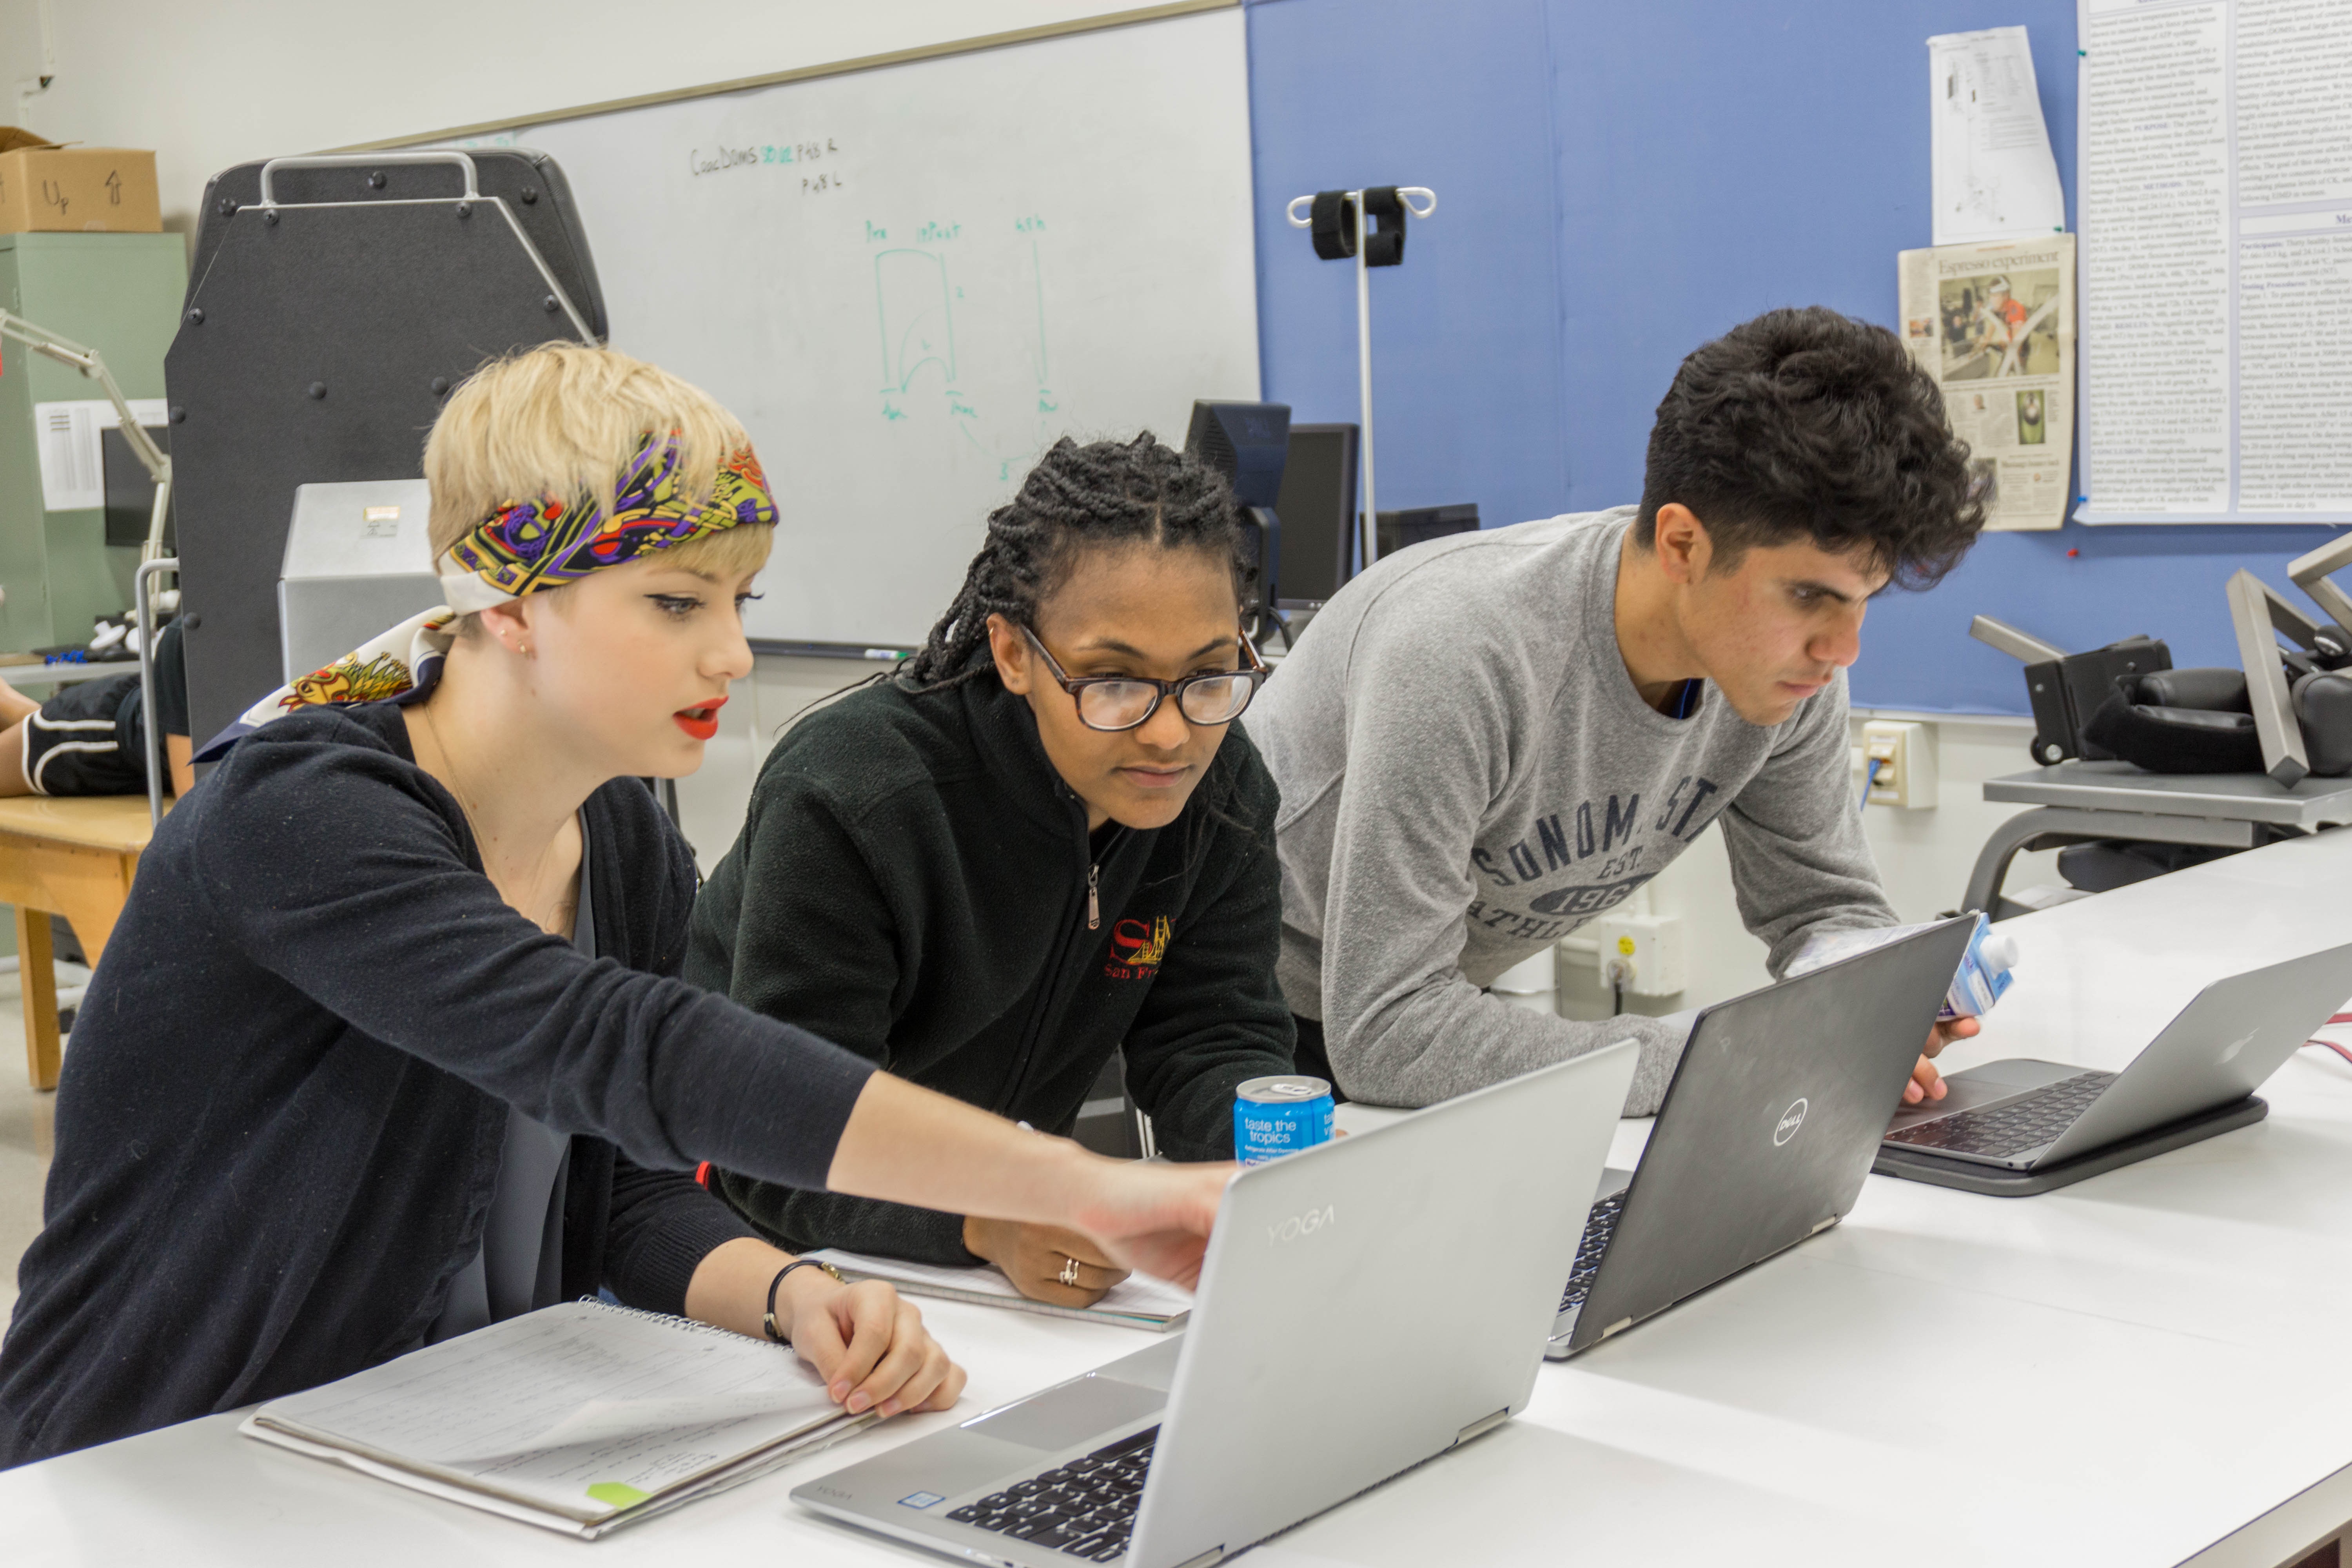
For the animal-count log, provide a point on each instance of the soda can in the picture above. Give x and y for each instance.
(1278, 1116)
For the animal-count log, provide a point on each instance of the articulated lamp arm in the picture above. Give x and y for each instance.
(91, 364)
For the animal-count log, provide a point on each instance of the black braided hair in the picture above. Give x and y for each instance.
(1103, 493)
(1076, 499)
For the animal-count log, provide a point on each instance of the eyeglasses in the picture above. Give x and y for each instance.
(1116, 702)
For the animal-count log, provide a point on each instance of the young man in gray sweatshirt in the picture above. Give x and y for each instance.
(1486, 741)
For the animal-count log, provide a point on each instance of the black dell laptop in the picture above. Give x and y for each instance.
(1767, 1132)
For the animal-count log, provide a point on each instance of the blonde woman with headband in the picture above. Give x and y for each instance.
(388, 1044)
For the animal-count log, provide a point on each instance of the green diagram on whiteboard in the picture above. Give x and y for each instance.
(911, 286)
(917, 304)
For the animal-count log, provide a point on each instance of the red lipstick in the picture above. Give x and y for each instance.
(701, 721)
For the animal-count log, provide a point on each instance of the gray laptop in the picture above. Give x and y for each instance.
(2024, 1115)
(1311, 1369)
(1766, 1133)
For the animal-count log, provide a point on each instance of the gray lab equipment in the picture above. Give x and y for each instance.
(2256, 617)
(335, 302)
(2076, 803)
(357, 565)
(2310, 572)
(1765, 1134)
(2020, 1126)
(1289, 1392)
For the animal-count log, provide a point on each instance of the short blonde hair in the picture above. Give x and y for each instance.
(564, 419)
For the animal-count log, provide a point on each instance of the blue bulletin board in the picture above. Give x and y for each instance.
(1618, 184)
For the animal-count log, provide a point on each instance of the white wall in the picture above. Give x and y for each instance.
(212, 84)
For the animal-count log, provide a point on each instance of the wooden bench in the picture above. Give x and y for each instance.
(70, 856)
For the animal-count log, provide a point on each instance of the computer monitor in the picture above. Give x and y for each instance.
(1317, 507)
(1246, 443)
(1418, 525)
(130, 488)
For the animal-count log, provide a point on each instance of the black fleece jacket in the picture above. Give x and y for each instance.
(279, 1125)
(911, 883)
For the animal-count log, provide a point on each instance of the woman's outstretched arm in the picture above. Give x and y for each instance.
(913, 1146)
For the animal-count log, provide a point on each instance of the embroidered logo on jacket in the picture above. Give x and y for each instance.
(1135, 949)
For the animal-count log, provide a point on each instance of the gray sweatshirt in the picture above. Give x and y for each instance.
(1468, 774)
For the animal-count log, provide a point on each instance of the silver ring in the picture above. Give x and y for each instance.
(1069, 1274)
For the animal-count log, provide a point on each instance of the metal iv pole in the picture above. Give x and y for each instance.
(1338, 220)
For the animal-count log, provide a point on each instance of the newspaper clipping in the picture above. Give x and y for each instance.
(1994, 324)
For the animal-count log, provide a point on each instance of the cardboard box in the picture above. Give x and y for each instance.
(97, 190)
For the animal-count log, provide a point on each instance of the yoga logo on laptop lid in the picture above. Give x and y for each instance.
(1791, 1120)
(1305, 1224)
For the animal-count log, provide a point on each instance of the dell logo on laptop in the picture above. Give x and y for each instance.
(1791, 1120)
(1300, 1224)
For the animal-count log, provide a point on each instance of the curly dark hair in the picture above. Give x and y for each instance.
(1103, 493)
(1809, 425)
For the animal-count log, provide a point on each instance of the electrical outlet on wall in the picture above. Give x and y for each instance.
(1905, 755)
(1642, 952)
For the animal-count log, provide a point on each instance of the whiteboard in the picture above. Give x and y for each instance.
(908, 283)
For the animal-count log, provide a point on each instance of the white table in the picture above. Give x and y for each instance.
(2144, 1369)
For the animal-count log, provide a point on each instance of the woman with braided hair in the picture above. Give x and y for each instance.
(1045, 837)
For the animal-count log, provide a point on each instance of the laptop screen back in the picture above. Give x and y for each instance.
(1771, 1123)
(1310, 1370)
(2234, 1034)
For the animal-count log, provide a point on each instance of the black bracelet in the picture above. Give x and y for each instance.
(769, 1322)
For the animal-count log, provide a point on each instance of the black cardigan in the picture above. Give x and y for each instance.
(280, 1119)
(911, 882)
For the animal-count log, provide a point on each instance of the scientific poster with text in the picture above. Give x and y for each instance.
(1994, 324)
(2215, 178)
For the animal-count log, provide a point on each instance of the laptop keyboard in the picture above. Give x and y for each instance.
(1600, 1226)
(1086, 1508)
(1999, 1132)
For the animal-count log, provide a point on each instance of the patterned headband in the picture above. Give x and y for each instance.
(528, 545)
(523, 547)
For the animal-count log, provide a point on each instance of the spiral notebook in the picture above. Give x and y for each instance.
(1136, 1301)
(579, 1417)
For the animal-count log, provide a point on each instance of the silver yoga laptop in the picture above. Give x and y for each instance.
(1766, 1133)
(1308, 1372)
(2026, 1115)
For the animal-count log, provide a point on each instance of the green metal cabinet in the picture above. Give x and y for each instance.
(120, 294)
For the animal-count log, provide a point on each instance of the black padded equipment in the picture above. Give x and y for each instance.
(316, 345)
(2323, 707)
(1385, 247)
(2174, 740)
(2218, 690)
(530, 184)
(1331, 224)
(2202, 722)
